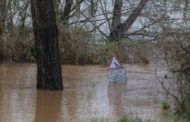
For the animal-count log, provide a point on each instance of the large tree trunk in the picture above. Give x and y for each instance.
(118, 32)
(116, 20)
(49, 75)
(67, 11)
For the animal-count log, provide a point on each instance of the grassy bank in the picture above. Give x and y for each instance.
(166, 118)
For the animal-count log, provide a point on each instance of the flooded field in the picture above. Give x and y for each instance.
(87, 95)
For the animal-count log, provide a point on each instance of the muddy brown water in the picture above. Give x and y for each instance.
(87, 95)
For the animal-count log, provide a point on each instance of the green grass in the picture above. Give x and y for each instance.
(175, 118)
(126, 119)
(167, 118)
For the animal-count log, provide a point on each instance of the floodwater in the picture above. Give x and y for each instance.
(87, 95)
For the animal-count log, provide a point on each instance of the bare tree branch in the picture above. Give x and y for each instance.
(116, 34)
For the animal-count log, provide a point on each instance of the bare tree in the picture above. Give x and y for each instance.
(23, 12)
(118, 32)
(116, 20)
(2, 15)
(67, 11)
(49, 75)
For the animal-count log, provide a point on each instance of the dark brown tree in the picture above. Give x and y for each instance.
(23, 13)
(49, 75)
(67, 11)
(116, 20)
(122, 28)
(2, 15)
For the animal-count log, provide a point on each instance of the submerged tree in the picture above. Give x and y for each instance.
(49, 75)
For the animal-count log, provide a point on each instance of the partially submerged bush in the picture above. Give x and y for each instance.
(75, 47)
(176, 53)
(126, 119)
(78, 46)
(165, 105)
(17, 46)
(106, 52)
(187, 104)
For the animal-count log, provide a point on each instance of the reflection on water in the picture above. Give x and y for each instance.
(115, 96)
(87, 95)
(48, 106)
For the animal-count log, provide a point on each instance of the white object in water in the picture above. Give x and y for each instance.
(117, 72)
(114, 63)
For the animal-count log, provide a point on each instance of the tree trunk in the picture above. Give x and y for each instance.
(24, 14)
(49, 75)
(118, 32)
(116, 20)
(67, 11)
(2, 15)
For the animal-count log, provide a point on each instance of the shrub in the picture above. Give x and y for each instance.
(165, 105)
(126, 119)
(187, 104)
(74, 46)
(176, 54)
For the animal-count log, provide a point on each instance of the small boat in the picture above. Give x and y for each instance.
(117, 72)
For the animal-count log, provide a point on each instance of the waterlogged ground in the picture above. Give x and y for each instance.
(87, 95)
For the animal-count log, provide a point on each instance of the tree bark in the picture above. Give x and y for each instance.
(45, 30)
(117, 33)
(24, 14)
(116, 20)
(2, 15)
(67, 11)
